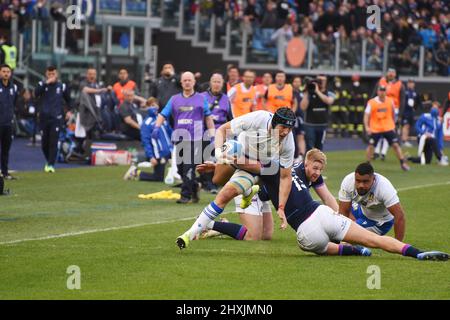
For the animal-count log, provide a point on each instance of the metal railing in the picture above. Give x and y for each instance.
(251, 47)
(368, 62)
(222, 34)
(139, 8)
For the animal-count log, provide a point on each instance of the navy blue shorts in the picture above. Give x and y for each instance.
(299, 127)
(390, 136)
(408, 118)
(371, 225)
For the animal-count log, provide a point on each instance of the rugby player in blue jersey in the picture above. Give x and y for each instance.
(319, 228)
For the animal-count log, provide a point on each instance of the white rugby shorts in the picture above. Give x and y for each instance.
(322, 227)
(257, 208)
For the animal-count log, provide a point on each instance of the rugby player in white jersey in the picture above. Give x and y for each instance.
(266, 139)
(257, 218)
(320, 229)
(371, 201)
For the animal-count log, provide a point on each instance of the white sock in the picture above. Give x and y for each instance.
(210, 225)
(422, 141)
(378, 147)
(211, 212)
(385, 147)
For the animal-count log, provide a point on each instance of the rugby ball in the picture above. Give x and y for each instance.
(232, 149)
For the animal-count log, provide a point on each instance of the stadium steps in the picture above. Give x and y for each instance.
(182, 52)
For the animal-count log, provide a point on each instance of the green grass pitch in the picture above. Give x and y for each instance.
(125, 247)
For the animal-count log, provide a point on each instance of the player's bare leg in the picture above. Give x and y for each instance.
(369, 152)
(401, 158)
(225, 195)
(254, 225)
(267, 226)
(405, 133)
(301, 144)
(358, 235)
(222, 174)
(240, 184)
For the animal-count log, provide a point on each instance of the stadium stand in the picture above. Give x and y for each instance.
(255, 34)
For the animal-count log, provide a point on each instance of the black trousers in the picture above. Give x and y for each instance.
(157, 175)
(189, 155)
(206, 178)
(50, 130)
(315, 136)
(6, 133)
(133, 133)
(431, 146)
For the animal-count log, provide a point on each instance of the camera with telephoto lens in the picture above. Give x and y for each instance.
(310, 85)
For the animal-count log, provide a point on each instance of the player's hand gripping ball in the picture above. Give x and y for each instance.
(230, 151)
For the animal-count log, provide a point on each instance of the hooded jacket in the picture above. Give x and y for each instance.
(430, 123)
(162, 147)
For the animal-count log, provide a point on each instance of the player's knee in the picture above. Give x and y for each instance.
(226, 194)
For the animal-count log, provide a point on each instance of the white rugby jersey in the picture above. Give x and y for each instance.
(374, 204)
(252, 130)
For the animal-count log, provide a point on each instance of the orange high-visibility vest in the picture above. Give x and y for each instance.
(243, 101)
(392, 90)
(229, 86)
(277, 98)
(118, 89)
(261, 91)
(381, 118)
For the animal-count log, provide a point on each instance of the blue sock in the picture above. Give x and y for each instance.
(347, 250)
(409, 251)
(233, 230)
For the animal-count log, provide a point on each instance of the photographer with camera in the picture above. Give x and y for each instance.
(315, 103)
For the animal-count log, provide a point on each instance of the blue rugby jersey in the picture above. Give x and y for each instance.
(300, 205)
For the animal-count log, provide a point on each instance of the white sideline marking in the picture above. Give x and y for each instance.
(423, 186)
(77, 233)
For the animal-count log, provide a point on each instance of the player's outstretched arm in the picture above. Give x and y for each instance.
(206, 167)
(345, 209)
(285, 190)
(399, 220)
(221, 134)
(325, 195)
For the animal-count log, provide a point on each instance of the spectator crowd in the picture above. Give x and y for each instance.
(119, 111)
(405, 26)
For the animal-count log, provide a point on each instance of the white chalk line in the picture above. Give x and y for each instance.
(423, 186)
(77, 233)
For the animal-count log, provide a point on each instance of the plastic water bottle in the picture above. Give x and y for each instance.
(134, 155)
